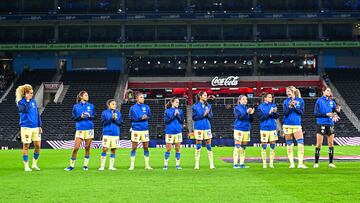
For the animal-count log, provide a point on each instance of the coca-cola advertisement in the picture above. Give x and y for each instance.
(228, 81)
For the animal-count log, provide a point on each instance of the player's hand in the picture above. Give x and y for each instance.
(249, 110)
(330, 114)
(87, 114)
(83, 115)
(144, 117)
(271, 110)
(206, 112)
(275, 109)
(40, 130)
(176, 112)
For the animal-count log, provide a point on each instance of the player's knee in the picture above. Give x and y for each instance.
(208, 147)
(289, 142)
(264, 146)
(198, 146)
(272, 146)
(238, 145)
(76, 149)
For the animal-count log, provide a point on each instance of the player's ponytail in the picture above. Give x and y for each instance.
(21, 91)
(79, 96)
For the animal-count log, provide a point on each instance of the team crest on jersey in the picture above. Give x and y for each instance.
(239, 133)
(199, 132)
(135, 135)
(264, 135)
(26, 136)
(105, 140)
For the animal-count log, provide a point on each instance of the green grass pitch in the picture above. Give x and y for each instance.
(224, 184)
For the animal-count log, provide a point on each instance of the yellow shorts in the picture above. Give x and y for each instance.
(171, 139)
(29, 135)
(84, 134)
(202, 134)
(110, 141)
(241, 136)
(268, 136)
(140, 136)
(291, 129)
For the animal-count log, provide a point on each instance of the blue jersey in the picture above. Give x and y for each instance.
(173, 123)
(201, 122)
(323, 106)
(137, 111)
(242, 118)
(111, 126)
(267, 121)
(85, 123)
(29, 114)
(292, 115)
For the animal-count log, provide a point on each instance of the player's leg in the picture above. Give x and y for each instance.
(25, 153)
(242, 151)
(237, 146)
(37, 146)
(197, 153)
(210, 153)
(146, 155)
(133, 154)
(264, 137)
(290, 149)
(319, 141)
(299, 136)
(330, 140)
(87, 154)
(177, 155)
(167, 155)
(169, 140)
(112, 159)
(103, 157)
(77, 144)
(272, 153)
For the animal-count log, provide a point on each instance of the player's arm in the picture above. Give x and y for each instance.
(168, 118)
(119, 120)
(180, 116)
(300, 110)
(210, 114)
(76, 115)
(239, 115)
(24, 107)
(133, 117)
(262, 115)
(287, 109)
(93, 114)
(317, 112)
(195, 115)
(106, 118)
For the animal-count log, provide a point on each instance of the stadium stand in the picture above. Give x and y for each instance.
(101, 86)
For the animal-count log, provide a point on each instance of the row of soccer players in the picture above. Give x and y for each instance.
(325, 110)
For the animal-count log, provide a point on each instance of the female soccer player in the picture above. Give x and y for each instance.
(174, 118)
(293, 108)
(326, 113)
(202, 115)
(84, 114)
(112, 120)
(267, 112)
(139, 115)
(243, 117)
(30, 124)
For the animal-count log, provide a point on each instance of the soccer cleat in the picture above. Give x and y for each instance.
(244, 166)
(316, 165)
(69, 168)
(148, 168)
(197, 167)
(236, 166)
(27, 169)
(101, 169)
(264, 166)
(271, 166)
(35, 167)
(85, 168)
(112, 169)
(178, 167)
(131, 168)
(302, 166)
(212, 167)
(331, 165)
(165, 168)
(292, 166)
